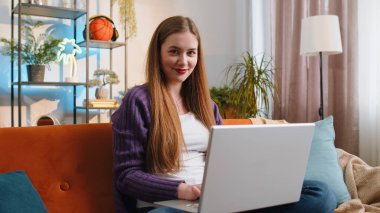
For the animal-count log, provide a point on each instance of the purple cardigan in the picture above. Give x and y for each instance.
(130, 125)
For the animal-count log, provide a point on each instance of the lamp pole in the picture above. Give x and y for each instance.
(321, 86)
(312, 43)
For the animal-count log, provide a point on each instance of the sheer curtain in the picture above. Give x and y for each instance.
(298, 76)
(369, 81)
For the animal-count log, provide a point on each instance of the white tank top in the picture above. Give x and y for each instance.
(193, 156)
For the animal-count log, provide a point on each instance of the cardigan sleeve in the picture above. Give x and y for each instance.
(218, 117)
(130, 128)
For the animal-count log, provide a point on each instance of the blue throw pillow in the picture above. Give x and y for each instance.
(323, 162)
(17, 194)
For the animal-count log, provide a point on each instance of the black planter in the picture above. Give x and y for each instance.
(36, 73)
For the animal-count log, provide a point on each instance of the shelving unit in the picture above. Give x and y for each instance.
(79, 107)
(48, 11)
(61, 13)
(64, 84)
(101, 45)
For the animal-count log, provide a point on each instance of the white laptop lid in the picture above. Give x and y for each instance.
(255, 166)
(252, 166)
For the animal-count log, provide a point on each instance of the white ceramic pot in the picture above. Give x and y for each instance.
(101, 93)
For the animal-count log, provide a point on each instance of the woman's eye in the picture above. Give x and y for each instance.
(174, 52)
(192, 53)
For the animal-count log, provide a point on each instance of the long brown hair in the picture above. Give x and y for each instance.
(165, 135)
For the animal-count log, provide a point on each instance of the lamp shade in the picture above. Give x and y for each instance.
(320, 34)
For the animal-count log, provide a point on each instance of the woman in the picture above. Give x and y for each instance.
(160, 131)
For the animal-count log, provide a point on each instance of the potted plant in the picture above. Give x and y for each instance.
(221, 96)
(102, 78)
(252, 85)
(36, 51)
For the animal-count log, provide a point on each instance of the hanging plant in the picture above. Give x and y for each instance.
(127, 15)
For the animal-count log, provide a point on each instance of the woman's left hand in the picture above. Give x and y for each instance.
(189, 192)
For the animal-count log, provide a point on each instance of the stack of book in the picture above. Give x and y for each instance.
(102, 103)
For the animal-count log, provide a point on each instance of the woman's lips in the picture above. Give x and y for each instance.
(181, 71)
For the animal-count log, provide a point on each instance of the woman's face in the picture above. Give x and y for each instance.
(179, 56)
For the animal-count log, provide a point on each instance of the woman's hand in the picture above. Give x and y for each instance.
(189, 192)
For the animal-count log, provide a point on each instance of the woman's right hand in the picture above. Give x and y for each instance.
(189, 192)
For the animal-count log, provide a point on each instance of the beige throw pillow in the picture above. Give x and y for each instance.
(266, 121)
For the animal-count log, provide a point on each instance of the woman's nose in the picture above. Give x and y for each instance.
(181, 59)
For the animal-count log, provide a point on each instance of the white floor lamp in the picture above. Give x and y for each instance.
(320, 35)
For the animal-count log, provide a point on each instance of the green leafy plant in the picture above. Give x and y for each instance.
(221, 96)
(122, 94)
(104, 77)
(252, 85)
(35, 50)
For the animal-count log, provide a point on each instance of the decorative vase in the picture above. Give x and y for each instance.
(36, 73)
(101, 93)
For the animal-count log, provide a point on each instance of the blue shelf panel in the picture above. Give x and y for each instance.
(49, 11)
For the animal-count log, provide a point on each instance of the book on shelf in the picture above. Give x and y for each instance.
(107, 103)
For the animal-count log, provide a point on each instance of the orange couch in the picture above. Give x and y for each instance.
(69, 165)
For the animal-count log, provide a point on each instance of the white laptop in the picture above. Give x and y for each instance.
(250, 167)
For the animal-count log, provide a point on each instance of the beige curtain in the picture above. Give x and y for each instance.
(298, 76)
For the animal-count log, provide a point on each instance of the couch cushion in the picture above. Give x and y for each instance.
(266, 121)
(323, 162)
(17, 194)
(69, 165)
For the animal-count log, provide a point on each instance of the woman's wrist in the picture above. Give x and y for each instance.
(181, 191)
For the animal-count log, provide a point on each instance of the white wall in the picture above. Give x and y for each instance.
(224, 29)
